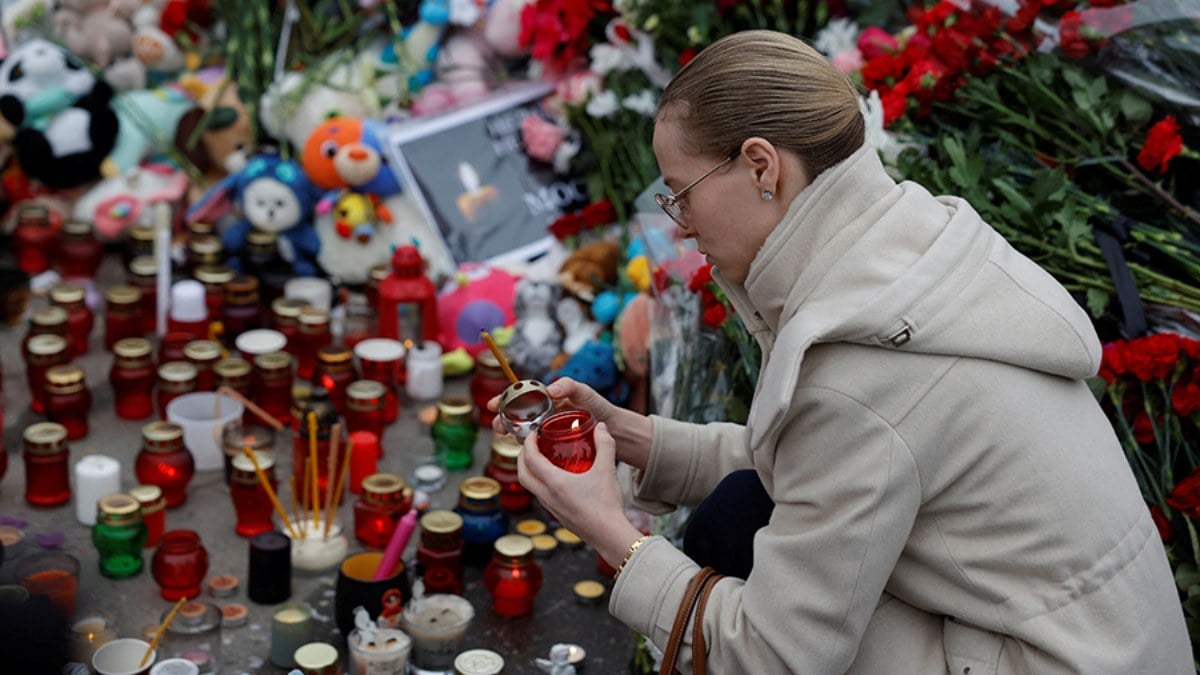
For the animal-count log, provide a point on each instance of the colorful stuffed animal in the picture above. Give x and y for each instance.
(479, 298)
(225, 142)
(98, 30)
(115, 204)
(295, 104)
(595, 365)
(537, 338)
(349, 152)
(65, 123)
(273, 195)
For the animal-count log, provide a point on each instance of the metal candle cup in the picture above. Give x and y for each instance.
(566, 439)
(524, 406)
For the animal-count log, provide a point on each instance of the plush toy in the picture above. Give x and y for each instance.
(65, 124)
(578, 327)
(348, 152)
(155, 48)
(595, 365)
(421, 42)
(115, 204)
(479, 298)
(147, 121)
(216, 135)
(273, 195)
(591, 268)
(295, 104)
(537, 338)
(98, 30)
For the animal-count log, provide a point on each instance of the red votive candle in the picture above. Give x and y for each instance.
(43, 352)
(566, 440)
(122, 315)
(250, 501)
(132, 378)
(165, 462)
(514, 498)
(364, 407)
(68, 400)
(154, 511)
(440, 552)
(143, 275)
(175, 378)
(364, 460)
(179, 564)
(47, 478)
(272, 384)
(513, 577)
(386, 498)
(80, 320)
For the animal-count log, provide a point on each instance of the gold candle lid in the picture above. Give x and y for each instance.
(567, 537)
(64, 375)
(543, 544)
(378, 273)
(315, 656)
(142, 232)
(213, 275)
(231, 368)
(257, 237)
(514, 545)
(506, 449)
(242, 287)
(150, 497)
(288, 307)
(313, 316)
(364, 389)
(77, 227)
(205, 245)
(49, 316)
(480, 488)
(441, 522)
(122, 295)
(334, 354)
(143, 266)
(531, 527)
(455, 409)
(132, 348)
(379, 488)
(45, 434)
(46, 344)
(202, 350)
(118, 509)
(241, 462)
(177, 371)
(200, 228)
(588, 590)
(162, 432)
(66, 293)
(273, 361)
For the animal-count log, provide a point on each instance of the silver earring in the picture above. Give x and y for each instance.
(767, 195)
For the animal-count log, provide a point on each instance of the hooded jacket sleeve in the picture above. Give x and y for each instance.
(846, 494)
(687, 461)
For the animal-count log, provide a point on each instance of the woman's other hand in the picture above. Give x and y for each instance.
(566, 394)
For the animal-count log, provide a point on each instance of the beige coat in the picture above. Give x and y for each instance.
(948, 495)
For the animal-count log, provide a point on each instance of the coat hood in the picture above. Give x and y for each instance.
(859, 258)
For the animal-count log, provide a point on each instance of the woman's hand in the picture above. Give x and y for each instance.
(589, 504)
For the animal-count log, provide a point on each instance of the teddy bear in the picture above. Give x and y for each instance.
(98, 30)
(65, 123)
(591, 268)
(216, 135)
(274, 195)
(295, 104)
(537, 338)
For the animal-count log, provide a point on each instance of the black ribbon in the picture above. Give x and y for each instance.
(1110, 236)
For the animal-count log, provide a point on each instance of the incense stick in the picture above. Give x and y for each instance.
(312, 467)
(262, 478)
(508, 371)
(336, 502)
(335, 433)
(161, 631)
(295, 508)
(252, 407)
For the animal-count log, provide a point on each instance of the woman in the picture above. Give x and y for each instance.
(943, 494)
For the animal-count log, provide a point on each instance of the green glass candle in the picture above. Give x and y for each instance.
(119, 535)
(454, 433)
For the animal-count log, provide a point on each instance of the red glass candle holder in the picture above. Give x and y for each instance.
(440, 552)
(285, 318)
(364, 407)
(34, 239)
(334, 371)
(139, 241)
(214, 278)
(175, 378)
(143, 275)
(513, 577)
(48, 320)
(47, 478)
(154, 511)
(379, 359)
(68, 400)
(487, 382)
(302, 449)
(273, 385)
(514, 498)
(251, 503)
(79, 251)
(203, 249)
(172, 345)
(386, 497)
(239, 435)
(122, 314)
(203, 354)
(240, 310)
(179, 564)
(566, 440)
(132, 377)
(165, 462)
(42, 352)
(312, 335)
(80, 320)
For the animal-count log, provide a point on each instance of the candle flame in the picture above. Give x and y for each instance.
(408, 344)
(574, 425)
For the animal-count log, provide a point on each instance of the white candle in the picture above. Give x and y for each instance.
(89, 634)
(437, 625)
(95, 477)
(384, 653)
(424, 365)
(291, 627)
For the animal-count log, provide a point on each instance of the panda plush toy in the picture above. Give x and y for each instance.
(66, 126)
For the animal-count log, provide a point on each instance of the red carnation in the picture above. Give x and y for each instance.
(700, 278)
(1160, 521)
(1071, 39)
(714, 316)
(1143, 428)
(686, 56)
(1114, 362)
(567, 225)
(1154, 357)
(600, 212)
(1185, 397)
(875, 42)
(1163, 142)
(1185, 498)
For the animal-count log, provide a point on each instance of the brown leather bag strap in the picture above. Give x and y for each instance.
(699, 649)
(690, 596)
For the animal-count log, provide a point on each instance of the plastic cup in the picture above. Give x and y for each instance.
(201, 428)
(122, 657)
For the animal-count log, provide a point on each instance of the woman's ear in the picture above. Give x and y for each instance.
(764, 159)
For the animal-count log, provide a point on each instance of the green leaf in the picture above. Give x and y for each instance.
(1097, 301)
(1137, 110)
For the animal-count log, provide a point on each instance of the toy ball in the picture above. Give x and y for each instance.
(606, 306)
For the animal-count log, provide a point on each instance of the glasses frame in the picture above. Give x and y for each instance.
(670, 203)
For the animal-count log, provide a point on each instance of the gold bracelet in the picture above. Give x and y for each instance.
(629, 554)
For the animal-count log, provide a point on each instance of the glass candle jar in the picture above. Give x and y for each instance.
(487, 382)
(261, 250)
(423, 378)
(175, 378)
(514, 498)
(250, 501)
(165, 462)
(291, 628)
(80, 320)
(68, 400)
(312, 334)
(365, 452)
(236, 436)
(194, 635)
(179, 564)
(386, 497)
(241, 310)
(139, 241)
(234, 373)
(273, 384)
(513, 577)
(380, 652)
(214, 278)
(303, 445)
(364, 407)
(119, 536)
(566, 440)
(170, 348)
(33, 240)
(302, 393)
(154, 511)
(79, 251)
(48, 320)
(454, 433)
(187, 312)
(313, 552)
(375, 275)
(143, 275)
(285, 318)
(47, 456)
(483, 520)
(132, 377)
(204, 249)
(380, 359)
(440, 552)
(122, 314)
(334, 371)
(42, 352)
(203, 354)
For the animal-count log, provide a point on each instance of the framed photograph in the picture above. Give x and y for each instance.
(469, 174)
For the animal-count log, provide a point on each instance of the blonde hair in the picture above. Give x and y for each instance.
(767, 84)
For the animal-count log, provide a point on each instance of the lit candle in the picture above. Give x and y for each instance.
(381, 652)
(424, 365)
(291, 628)
(437, 625)
(566, 439)
(95, 477)
(89, 634)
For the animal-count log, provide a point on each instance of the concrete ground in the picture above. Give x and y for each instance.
(135, 603)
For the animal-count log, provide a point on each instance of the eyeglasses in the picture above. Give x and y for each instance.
(670, 203)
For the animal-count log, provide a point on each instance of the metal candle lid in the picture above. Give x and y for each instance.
(332, 354)
(64, 375)
(202, 350)
(177, 371)
(213, 275)
(231, 368)
(455, 409)
(383, 488)
(132, 348)
(478, 662)
(162, 436)
(150, 497)
(524, 405)
(122, 295)
(531, 527)
(441, 522)
(46, 344)
(118, 509)
(514, 546)
(66, 293)
(45, 438)
(143, 266)
(49, 317)
(479, 488)
(288, 307)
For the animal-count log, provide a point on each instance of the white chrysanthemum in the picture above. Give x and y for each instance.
(644, 102)
(837, 36)
(566, 151)
(885, 142)
(607, 58)
(602, 105)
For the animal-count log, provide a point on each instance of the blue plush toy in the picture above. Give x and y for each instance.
(595, 365)
(273, 195)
